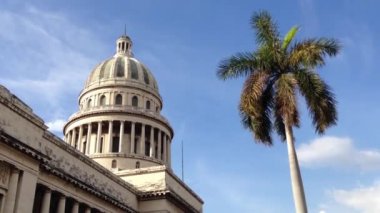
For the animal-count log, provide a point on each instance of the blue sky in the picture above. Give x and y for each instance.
(47, 49)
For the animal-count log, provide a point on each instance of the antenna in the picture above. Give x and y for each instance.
(183, 177)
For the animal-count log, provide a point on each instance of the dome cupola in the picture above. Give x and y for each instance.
(119, 122)
(123, 46)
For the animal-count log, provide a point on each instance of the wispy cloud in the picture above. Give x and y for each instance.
(354, 199)
(45, 56)
(56, 125)
(337, 152)
(363, 199)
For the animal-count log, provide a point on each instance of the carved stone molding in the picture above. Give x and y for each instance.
(5, 171)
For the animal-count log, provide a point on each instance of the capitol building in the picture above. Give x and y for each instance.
(115, 155)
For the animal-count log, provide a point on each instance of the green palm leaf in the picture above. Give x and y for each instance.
(289, 37)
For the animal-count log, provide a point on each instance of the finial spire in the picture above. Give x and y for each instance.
(125, 29)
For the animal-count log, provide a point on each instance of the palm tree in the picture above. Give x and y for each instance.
(276, 72)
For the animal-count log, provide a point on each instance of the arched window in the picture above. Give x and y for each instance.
(135, 101)
(102, 100)
(119, 99)
(137, 164)
(89, 102)
(147, 104)
(114, 164)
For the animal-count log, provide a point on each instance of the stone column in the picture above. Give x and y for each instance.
(69, 137)
(151, 150)
(98, 137)
(26, 191)
(110, 133)
(169, 151)
(12, 191)
(61, 204)
(159, 145)
(112, 98)
(132, 137)
(45, 207)
(142, 140)
(79, 147)
(164, 147)
(75, 208)
(73, 137)
(121, 136)
(89, 130)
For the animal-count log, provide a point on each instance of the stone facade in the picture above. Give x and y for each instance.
(115, 156)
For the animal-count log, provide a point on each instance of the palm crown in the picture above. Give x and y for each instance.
(276, 72)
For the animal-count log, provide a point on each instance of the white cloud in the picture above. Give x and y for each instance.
(45, 55)
(56, 126)
(362, 199)
(339, 153)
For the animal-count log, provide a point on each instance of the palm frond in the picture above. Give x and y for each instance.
(286, 99)
(311, 52)
(256, 106)
(241, 64)
(319, 98)
(266, 29)
(289, 37)
(279, 125)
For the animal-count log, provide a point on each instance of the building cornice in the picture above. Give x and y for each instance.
(47, 164)
(162, 168)
(19, 107)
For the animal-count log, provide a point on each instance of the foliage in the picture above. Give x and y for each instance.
(276, 73)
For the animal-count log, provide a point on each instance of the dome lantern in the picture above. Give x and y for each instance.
(124, 45)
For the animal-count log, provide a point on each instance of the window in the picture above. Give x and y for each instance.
(147, 104)
(120, 67)
(147, 148)
(115, 144)
(133, 68)
(137, 164)
(102, 100)
(146, 76)
(89, 103)
(136, 144)
(84, 147)
(119, 99)
(114, 164)
(135, 101)
(101, 145)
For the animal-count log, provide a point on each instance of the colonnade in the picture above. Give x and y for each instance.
(48, 200)
(120, 136)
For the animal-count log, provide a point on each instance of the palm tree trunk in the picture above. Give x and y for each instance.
(295, 174)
